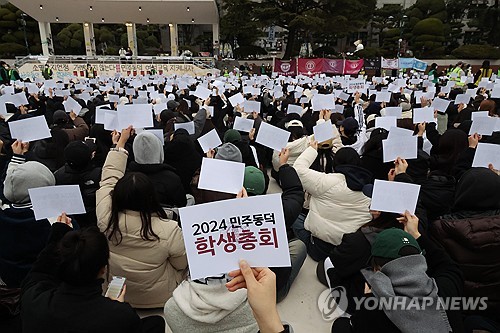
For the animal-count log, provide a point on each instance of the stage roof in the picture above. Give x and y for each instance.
(121, 11)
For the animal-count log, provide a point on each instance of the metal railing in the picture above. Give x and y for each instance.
(202, 62)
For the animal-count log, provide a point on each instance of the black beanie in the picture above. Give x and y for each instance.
(78, 155)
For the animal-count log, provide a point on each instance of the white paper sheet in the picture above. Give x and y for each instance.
(19, 99)
(402, 146)
(425, 114)
(51, 201)
(158, 108)
(189, 126)
(440, 104)
(479, 114)
(236, 99)
(462, 99)
(221, 176)
(487, 153)
(394, 197)
(71, 105)
(210, 110)
(272, 136)
(202, 92)
(383, 96)
(394, 111)
(111, 120)
(343, 96)
(483, 125)
(323, 132)
(385, 122)
(323, 102)
(30, 129)
(242, 124)
(209, 141)
(113, 98)
(137, 115)
(158, 133)
(251, 106)
(295, 109)
(395, 132)
(232, 232)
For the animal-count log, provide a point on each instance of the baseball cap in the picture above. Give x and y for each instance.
(389, 243)
(254, 181)
(350, 124)
(297, 123)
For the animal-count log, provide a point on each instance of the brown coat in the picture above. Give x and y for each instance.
(153, 269)
(79, 132)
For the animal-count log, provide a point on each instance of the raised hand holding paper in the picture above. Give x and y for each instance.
(137, 115)
(202, 92)
(394, 111)
(189, 127)
(231, 181)
(158, 108)
(383, 96)
(236, 100)
(218, 234)
(243, 124)
(272, 136)
(323, 132)
(294, 109)
(421, 115)
(71, 105)
(29, 129)
(385, 122)
(251, 106)
(51, 201)
(487, 153)
(209, 141)
(394, 197)
(401, 146)
(483, 125)
(440, 104)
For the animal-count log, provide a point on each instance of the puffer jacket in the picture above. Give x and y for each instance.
(335, 208)
(153, 268)
(298, 146)
(473, 241)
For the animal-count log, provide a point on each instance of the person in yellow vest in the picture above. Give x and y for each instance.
(459, 71)
(90, 72)
(484, 72)
(47, 72)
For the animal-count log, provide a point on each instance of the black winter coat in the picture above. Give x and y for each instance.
(47, 305)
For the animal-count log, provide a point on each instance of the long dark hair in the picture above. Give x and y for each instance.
(134, 191)
(83, 253)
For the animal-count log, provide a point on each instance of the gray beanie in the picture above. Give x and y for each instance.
(148, 149)
(229, 152)
(22, 177)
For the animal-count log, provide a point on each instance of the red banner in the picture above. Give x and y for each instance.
(333, 66)
(317, 66)
(286, 68)
(353, 66)
(310, 66)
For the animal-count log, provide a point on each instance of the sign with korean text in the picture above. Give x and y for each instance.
(218, 234)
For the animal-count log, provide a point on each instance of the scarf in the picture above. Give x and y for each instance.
(406, 279)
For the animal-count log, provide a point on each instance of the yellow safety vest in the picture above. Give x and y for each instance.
(488, 73)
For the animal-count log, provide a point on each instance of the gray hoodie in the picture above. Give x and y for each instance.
(206, 308)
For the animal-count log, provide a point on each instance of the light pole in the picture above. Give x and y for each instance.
(402, 22)
(23, 23)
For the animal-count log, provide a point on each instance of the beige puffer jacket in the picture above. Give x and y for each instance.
(153, 269)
